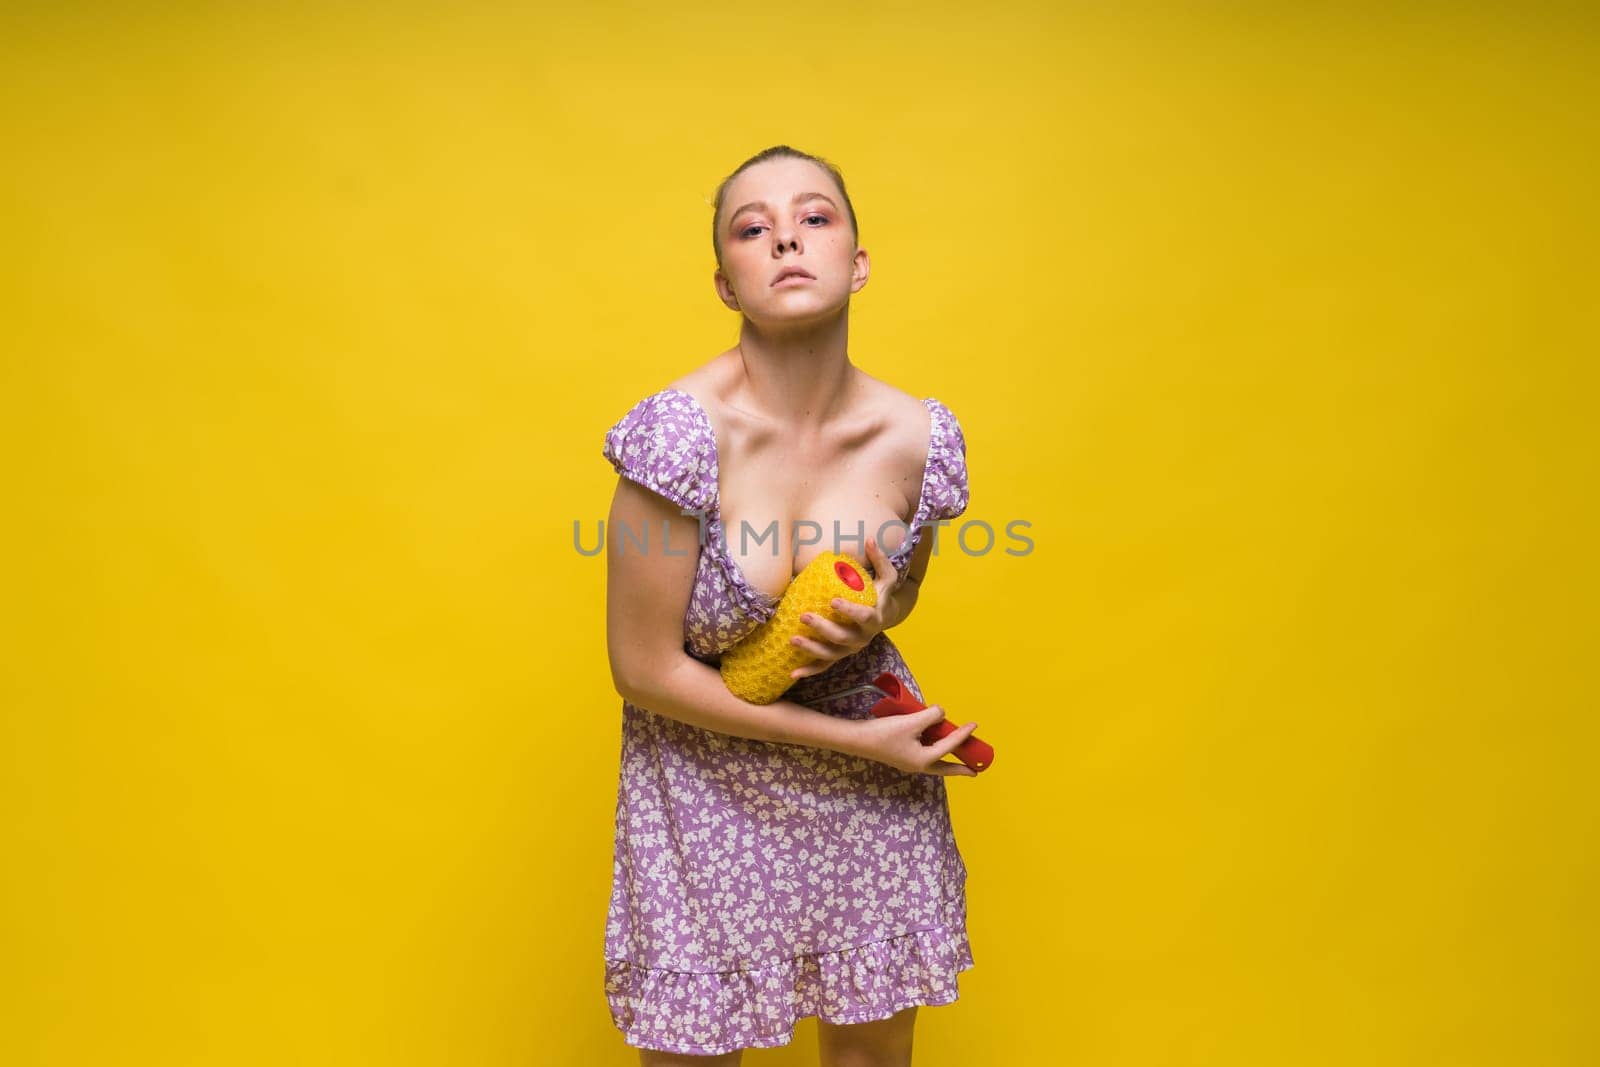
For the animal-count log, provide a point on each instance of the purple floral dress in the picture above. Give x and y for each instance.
(756, 883)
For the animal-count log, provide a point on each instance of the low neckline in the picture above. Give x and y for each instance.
(769, 601)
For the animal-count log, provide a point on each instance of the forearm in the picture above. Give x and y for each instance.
(693, 692)
(900, 603)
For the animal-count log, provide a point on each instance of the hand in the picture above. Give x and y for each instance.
(897, 741)
(835, 641)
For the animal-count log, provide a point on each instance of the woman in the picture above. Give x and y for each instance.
(774, 862)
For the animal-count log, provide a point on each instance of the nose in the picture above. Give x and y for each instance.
(787, 239)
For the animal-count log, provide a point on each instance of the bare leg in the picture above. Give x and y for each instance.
(652, 1058)
(884, 1043)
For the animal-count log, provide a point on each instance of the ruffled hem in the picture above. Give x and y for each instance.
(708, 1013)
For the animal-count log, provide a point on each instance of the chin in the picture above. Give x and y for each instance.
(802, 312)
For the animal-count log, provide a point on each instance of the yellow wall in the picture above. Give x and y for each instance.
(1278, 326)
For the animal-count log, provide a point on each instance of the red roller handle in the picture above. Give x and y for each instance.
(979, 755)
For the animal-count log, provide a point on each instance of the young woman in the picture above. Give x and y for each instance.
(774, 862)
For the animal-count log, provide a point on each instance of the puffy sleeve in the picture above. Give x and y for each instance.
(665, 444)
(946, 494)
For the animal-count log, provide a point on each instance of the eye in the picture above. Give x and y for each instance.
(745, 232)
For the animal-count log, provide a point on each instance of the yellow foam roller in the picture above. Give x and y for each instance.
(757, 668)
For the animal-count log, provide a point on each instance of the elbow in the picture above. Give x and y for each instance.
(636, 678)
(622, 680)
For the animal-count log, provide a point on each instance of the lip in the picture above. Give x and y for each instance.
(792, 274)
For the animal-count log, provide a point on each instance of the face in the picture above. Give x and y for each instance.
(780, 214)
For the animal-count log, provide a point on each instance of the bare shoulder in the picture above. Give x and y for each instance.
(905, 417)
(705, 382)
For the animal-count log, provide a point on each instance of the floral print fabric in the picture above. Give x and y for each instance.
(753, 883)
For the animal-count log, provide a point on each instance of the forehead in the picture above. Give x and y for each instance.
(777, 181)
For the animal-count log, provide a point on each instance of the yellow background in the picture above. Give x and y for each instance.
(1276, 322)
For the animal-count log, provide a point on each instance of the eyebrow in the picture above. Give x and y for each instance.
(798, 197)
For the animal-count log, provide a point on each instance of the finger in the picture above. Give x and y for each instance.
(960, 770)
(817, 648)
(850, 608)
(808, 670)
(888, 574)
(954, 739)
(828, 628)
(875, 557)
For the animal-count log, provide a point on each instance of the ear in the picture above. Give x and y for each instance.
(861, 269)
(725, 293)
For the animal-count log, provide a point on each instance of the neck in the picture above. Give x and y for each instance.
(801, 376)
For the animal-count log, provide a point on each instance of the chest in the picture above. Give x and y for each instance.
(781, 504)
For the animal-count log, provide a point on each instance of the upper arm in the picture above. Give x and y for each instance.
(665, 454)
(649, 581)
(917, 566)
(945, 491)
